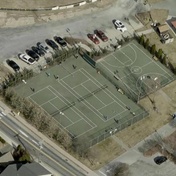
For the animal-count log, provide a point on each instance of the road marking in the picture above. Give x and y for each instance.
(42, 151)
(34, 141)
(3, 113)
(102, 173)
(23, 133)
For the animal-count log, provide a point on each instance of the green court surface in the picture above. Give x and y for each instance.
(89, 106)
(132, 69)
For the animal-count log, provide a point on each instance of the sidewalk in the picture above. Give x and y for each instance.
(133, 154)
(50, 143)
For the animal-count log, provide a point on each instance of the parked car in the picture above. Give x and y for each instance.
(32, 54)
(101, 35)
(38, 51)
(13, 65)
(119, 25)
(52, 44)
(60, 41)
(43, 47)
(93, 38)
(26, 58)
(160, 159)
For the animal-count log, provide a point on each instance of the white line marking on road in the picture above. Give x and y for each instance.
(23, 133)
(102, 173)
(3, 113)
(34, 141)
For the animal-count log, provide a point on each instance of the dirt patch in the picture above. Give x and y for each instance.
(3, 72)
(169, 49)
(155, 15)
(73, 41)
(102, 153)
(165, 103)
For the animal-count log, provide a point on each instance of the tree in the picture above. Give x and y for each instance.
(141, 40)
(21, 154)
(146, 44)
(159, 54)
(164, 60)
(153, 49)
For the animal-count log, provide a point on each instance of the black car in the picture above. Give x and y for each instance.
(38, 51)
(60, 41)
(160, 159)
(52, 44)
(32, 54)
(13, 65)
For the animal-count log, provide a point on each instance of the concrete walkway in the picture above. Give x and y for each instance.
(133, 154)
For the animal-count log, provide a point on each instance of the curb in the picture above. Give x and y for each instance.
(67, 6)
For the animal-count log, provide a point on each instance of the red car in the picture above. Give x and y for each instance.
(101, 35)
(93, 38)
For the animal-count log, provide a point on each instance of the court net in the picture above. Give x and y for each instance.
(69, 105)
(92, 93)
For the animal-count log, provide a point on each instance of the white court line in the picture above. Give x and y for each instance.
(76, 109)
(74, 123)
(125, 55)
(51, 116)
(94, 95)
(48, 100)
(109, 92)
(38, 91)
(151, 59)
(68, 75)
(115, 59)
(80, 84)
(84, 131)
(55, 106)
(124, 108)
(106, 105)
(76, 94)
(59, 111)
(67, 101)
(120, 79)
(130, 73)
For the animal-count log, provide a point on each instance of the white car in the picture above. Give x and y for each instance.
(26, 58)
(120, 26)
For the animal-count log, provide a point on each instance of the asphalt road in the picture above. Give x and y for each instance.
(13, 41)
(40, 150)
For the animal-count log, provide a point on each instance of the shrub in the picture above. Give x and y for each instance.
(2, 140)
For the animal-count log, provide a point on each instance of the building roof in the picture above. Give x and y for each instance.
(29, 169)
(9, 170)
(163, 28)
(33, 169)
(173, 23)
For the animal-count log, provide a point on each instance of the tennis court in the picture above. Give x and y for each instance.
(81, 101)
(133, 69)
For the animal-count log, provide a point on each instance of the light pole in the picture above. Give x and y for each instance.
(68, 31)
